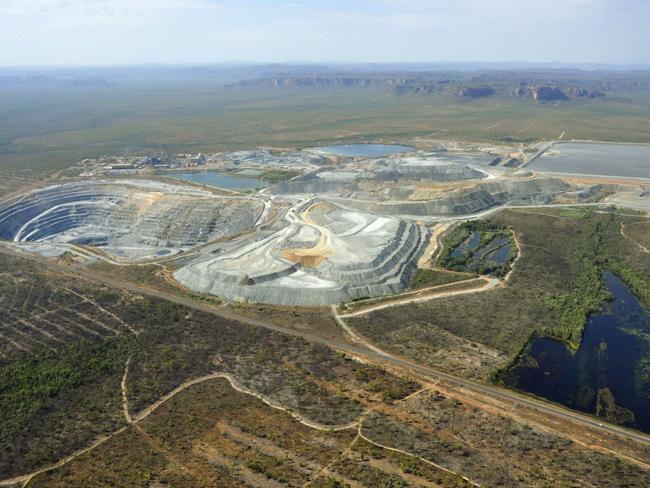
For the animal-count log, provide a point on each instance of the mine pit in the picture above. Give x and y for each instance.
(130, 219)
(341, 230)
(351, 255)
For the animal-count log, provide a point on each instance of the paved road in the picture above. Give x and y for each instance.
(424, 371)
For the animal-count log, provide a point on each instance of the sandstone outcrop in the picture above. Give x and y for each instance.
(548, 94)
(477, 92)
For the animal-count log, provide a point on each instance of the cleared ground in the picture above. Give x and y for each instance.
(212, 434)
(68, 389)
(182, 431)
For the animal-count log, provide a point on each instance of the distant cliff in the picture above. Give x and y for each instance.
(548, 94)
(315, 81)
(430, 85)
(584, 92)
(483, 91)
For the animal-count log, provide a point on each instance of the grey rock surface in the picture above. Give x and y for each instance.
(129, 218)
(356, 256)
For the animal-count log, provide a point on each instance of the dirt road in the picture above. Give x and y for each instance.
(638, 244)
(489, 284)
(376, 355)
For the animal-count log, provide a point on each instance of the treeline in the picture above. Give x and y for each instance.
(624, 258)
(572, 308)
(600, 246)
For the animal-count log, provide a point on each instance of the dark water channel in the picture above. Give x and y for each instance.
(468, 246)
(491, 250)
(495, 252)
(499, 255)
(609, 375)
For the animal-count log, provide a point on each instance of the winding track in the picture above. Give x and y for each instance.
(367, 350)
(26, 478)
(641, 247)
(489, 284)
(361, 350)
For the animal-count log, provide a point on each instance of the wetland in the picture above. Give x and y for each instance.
(608, 375)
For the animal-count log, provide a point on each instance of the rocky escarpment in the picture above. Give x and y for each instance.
(477, 92)
(396, 85)
(547, 94)
(317, 81)
(429, 84)
(584, 92)
(555, 93)
(541, 89)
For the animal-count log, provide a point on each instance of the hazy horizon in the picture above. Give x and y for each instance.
(423, 65)
(171, 32)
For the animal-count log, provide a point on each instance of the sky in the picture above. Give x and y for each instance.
(112, 32)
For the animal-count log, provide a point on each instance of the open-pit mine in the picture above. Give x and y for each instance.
(345, 228)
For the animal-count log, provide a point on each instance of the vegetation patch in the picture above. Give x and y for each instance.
(492, 450)
(59, 397)
(479, 246)
(278, 175)
(639, 232)
(556, 284)
(58, 401)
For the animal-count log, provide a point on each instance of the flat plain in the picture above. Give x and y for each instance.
(44, 131)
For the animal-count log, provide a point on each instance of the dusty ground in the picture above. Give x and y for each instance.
(314, 320)
(210, 433)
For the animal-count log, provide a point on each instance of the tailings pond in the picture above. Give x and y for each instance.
(616, 160)
(609, 375)
(218, 179)
(364, 150)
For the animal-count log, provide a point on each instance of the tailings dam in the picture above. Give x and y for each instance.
(598, 159)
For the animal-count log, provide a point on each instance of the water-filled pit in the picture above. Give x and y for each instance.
(218, 179)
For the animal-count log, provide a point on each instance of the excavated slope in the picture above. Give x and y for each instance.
(332, 256)
(472, 200)
(130, 218)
